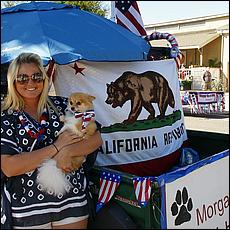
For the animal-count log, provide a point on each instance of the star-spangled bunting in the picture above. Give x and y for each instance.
(128, 15)
(78, 69)
(142, 188)
(175, 52)
(109, 183)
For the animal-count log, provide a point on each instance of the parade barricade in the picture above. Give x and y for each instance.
(204, 101)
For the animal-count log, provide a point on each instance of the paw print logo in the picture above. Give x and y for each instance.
(181, 207)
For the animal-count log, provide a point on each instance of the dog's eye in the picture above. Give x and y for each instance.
(78, 103)
(71, 102)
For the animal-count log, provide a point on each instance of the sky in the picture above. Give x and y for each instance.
(163, 11)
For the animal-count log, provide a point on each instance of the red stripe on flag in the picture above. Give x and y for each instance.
(136, 6)
(147, 187)
(135, 184)
(140, 192)
(131, 11)
(101, 181)
(114, 187)
(103, 191)
(51, 69)
(119, 22)
(135, 23)
(108, 192)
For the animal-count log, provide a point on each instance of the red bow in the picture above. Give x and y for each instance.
(86, 117)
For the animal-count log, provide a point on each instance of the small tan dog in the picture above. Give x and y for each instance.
(79, 118)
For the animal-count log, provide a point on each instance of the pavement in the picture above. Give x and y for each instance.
(216, 125)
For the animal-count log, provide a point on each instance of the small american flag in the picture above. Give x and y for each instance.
(109, 183)
(51, 72)
(142, 188)
(128, 15)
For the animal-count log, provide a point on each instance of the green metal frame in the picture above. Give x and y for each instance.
(206, 143)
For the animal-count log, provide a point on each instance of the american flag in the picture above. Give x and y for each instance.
(128, 15)
(142, 188)
(109, 183)
(51, 72)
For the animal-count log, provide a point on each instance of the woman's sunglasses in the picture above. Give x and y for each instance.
(24, 78)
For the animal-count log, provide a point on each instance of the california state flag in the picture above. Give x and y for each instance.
(137, 104)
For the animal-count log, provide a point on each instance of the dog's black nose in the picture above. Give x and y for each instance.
(72, 108)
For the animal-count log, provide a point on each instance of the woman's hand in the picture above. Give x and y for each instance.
(64, 160)
(66, 138)
(80, 149)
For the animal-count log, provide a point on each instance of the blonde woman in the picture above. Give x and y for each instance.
(29, 126)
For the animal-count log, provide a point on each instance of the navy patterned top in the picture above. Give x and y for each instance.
(30, 205)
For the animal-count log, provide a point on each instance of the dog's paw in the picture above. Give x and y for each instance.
(62, 118)
(77, 162)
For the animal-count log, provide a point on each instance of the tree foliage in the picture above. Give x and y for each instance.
(11, 3)
(96, 7)
(214, 63)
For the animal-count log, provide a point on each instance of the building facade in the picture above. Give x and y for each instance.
(204, 41)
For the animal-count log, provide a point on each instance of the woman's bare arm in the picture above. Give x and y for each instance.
(81, 148)
(86, 146)
(13, 165)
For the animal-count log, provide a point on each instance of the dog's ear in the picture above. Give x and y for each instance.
(91, 98)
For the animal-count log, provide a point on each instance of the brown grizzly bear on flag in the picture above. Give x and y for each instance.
(143, 90)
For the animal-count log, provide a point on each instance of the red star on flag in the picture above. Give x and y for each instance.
(77, 69)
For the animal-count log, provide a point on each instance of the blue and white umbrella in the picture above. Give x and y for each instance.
(65, 34)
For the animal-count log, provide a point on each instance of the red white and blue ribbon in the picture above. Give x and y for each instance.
(36, 133)
(142, 188)
(86, 117)
(175, 52)
(109, 183)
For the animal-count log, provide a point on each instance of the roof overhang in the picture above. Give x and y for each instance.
(194, 40)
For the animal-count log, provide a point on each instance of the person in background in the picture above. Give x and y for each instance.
(207, 78)
(182, 75)
(29, 126)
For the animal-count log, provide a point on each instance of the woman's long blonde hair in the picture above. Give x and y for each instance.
(13, 100)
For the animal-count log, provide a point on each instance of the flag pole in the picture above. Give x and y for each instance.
(112, 10)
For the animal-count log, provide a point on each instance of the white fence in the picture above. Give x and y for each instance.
(196, 75)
